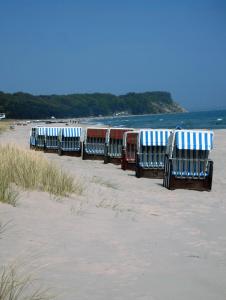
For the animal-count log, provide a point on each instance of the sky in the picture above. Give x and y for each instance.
(117, 46)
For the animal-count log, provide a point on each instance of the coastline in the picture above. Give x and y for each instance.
(193, 120)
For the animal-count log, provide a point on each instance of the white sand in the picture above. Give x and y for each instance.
(124, 238)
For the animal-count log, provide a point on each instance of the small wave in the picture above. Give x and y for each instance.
(206, 119)
(120, 125)
(99, 124)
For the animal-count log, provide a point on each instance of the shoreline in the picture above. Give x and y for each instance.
(93, 118)
(212, 120)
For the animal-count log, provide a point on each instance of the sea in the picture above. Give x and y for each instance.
(189, 120)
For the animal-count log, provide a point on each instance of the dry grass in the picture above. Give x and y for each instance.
(14, 285)
(4, 125)
(29, 170)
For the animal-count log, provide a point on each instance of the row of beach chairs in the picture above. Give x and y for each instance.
(179, 157)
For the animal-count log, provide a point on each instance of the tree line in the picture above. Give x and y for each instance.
(27, 106)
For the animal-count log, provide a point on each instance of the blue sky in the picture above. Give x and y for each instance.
(118, 46)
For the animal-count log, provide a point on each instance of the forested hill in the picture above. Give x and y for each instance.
(26, 106)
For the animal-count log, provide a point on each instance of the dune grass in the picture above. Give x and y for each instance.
(31, 171)
(14, 285)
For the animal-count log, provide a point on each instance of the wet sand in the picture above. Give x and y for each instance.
(123, 238)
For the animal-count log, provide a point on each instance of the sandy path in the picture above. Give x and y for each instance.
(124, 238)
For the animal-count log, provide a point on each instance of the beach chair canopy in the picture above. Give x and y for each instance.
(194, 140)
(96, 132)
(52, 131)
(117, 133)
(71, 132)
(41, 130)
(130, 137)
(154, 137)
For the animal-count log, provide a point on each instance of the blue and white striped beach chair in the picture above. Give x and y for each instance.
(37, 137)
(32, 137)
(187, 163)
(69, 140)
(51, 138)
(151, 151)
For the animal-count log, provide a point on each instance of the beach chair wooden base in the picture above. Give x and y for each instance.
(69, 153)
(123, 160)
(49, 150)
(39, 148)
(190, 184)
(149, 173)
(112, 160)
(92, 157)
(86, 156)
(172, 182)
(126, 165)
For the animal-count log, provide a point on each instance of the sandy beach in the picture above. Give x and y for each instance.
(124, 238)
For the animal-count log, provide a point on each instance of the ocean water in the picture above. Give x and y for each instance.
(190, 120)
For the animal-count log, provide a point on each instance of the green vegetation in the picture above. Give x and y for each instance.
(30, 170)
(15, 285)
(27, 106)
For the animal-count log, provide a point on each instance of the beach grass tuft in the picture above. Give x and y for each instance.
(17, 286)
(20, 168)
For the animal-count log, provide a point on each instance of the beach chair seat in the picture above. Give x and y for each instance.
(151, 165)
(189, 174)
(94, 148)
(115, 148)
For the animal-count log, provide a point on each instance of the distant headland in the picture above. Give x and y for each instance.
(27, 106)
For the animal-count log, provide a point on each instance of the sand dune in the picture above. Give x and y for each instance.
(123, 238)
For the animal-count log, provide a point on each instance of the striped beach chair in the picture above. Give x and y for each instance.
(187, 163)
(69, 141)
(37, 138)
(129, 150)
(152, 144)
(113, 145)
(32, 137)
(94, 143)
(51, 139)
